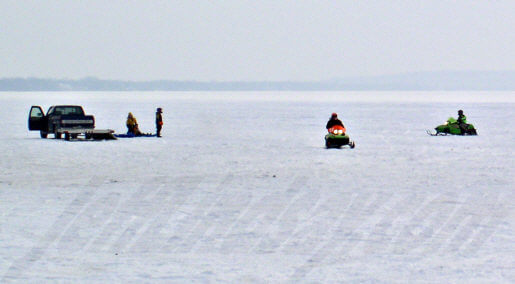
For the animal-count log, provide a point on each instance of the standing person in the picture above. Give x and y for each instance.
(462, 122)
(159, 121)
(334, 121)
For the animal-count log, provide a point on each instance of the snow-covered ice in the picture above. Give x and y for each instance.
(241, 189)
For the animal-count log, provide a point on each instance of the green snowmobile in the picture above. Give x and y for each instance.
(452, 127)
(336, 138)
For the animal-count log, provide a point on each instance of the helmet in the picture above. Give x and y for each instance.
(159, 109)
(334, 114)
(460, 111)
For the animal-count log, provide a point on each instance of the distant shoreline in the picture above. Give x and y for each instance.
(420, 81)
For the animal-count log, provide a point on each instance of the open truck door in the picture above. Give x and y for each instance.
(37, 120)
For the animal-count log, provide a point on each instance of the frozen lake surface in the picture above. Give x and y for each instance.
(241, 189)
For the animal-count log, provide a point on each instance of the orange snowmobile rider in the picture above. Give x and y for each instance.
(333, 121)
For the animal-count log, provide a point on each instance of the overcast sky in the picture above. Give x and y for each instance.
(252, 40)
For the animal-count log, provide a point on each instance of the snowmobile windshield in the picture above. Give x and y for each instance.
(451, 120)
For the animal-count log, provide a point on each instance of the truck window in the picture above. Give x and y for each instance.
(68, 110)
(36, 112)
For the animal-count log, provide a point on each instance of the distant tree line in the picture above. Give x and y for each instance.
(471, 80)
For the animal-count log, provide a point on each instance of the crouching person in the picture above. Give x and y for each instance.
(132, 125)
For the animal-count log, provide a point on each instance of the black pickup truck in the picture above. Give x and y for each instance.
(69, 120)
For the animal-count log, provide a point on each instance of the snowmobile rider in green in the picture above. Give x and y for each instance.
(462, 121)
(334, 121)
(159, 121)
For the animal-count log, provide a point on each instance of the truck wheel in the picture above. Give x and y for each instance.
(43, 134)
(57, 135)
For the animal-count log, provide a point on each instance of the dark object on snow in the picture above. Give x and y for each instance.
(131, 135)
